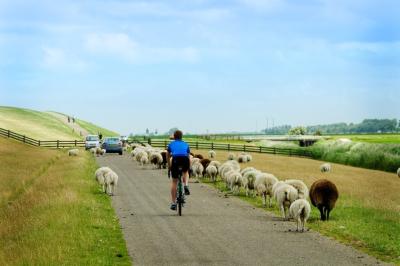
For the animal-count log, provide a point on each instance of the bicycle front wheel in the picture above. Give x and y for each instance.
(180, 208)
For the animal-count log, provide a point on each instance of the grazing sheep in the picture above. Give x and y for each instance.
(300, 211)
(326, 167)
(197, 169)
(249, 179)
(323, 195)
(93, 151)
(285, 194)
(398, 172)
(216, 164)
(100, 151)
(100, 176)
(276, 186)
(242, 158)
(205, 163)
(228, 166)
(231, 156)
(212, 154)
(144, 159)
(212, 172)
(234, 181)
(263, 185)
(302, 188)
(249, 158)
(195, 160)
(73, 152)
(156, 159)
(199, 156)
(140, 154)
(111, 180)
(247, 169)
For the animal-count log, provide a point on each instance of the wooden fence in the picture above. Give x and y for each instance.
(230, 147)
(42, 143)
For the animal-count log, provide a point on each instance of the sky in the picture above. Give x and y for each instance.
(202, 66)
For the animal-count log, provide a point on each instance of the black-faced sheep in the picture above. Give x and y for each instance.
(326, 167)
(212, 154)
(323, 195)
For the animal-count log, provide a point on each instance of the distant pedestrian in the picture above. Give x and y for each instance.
(73, 119)
(100, 136)
(69, 119)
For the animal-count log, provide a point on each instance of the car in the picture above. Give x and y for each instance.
(112, 145)
(92, 141)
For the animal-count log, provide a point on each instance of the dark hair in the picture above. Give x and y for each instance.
(178, 134)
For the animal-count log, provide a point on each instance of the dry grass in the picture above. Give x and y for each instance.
(375, 189)
(52, 212)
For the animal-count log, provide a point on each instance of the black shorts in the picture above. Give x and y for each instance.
(181, 161)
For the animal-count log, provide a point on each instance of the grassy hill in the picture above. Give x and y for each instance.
(45, 125)
(52, 211)
(35, 124)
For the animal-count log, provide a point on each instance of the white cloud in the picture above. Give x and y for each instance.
(117, 44)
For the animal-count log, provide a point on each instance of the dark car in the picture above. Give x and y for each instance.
(112, 145)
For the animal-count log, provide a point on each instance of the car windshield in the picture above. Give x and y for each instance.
(92, 138)
(112, 140)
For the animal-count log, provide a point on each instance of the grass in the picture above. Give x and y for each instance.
(367, 214)
(93, 129)
(52, 211)
(371, 138)
(384, 157)
(34, 124)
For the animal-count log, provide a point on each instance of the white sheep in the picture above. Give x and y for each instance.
(285, 195)
(100, 151)
(249, 158)
(398, 172)
(228, 166)
(212, 172)
(216, 164)
(100, 176)
(140, 154)
(247, 169)
(195, 160)
(144, 159)
(242, 158)
(234, 181)
(73, 152)
(249, 179)
(301, 188)
(197, 169)
(212, 154)
(111, 180)
(93, 151)
(156, 159)
(326, 167)
(276, 186)
(231, 156)
(300, 211)
(263, 185)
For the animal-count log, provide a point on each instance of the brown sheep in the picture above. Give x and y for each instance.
(323, 195)
(199, 156)
(164, 156)
(205, 163)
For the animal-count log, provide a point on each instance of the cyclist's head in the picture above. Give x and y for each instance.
(178, 135)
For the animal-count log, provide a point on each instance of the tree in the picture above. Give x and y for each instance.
(297, 131)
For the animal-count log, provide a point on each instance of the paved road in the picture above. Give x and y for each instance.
(213, 230)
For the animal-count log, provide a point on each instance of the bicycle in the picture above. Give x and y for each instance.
(180, 196)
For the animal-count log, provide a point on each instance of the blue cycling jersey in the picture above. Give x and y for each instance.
(178, 148)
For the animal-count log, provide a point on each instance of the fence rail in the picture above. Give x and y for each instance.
(230, 147)
(42, 143)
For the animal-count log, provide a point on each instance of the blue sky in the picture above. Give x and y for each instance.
(202, 65)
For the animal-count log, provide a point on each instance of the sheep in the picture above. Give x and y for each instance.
(302, 189)
(212, 172)
(99, 174)
(231, 156)
(247, 169)
(300, 210)
(100, 151)
(195, 160)
(144, 159)
(216, 164)
(276, 186)
(156, 159)
(140, 154)
(263, 185)
(326, 167)
(234, 180)
(228, 166)
(199, 156)
(93, 151)
(323, 195)
(111, 180)
(212, 154)
(197, 169)
(398, 172)
(249, 158)
(249, 181)
(73, 152)
(285, 195)
(242, 158)
(205, 163)
(164, 157)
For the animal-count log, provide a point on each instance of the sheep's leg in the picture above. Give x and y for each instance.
(264, 197)
(321, 211)
(298, 222)
(327, 214)
(283, 211)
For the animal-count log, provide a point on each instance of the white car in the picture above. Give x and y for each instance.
(92, 141)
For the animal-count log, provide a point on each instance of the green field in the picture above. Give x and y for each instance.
(93, 129)
(371, 138)
(52, 211)
(34, 124)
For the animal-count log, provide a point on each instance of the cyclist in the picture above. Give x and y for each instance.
(178, 156)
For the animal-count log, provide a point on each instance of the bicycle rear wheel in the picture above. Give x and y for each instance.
(180, 208)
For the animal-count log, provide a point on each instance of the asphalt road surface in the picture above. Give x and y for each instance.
(213, 230)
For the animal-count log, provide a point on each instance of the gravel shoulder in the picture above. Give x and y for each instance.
(213, 230)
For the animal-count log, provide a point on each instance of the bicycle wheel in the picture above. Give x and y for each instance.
(180, 208)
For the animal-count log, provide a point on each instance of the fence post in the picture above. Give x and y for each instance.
(244, 148)
(212, 145)
(58, 144)
(274, 150)
(260, 149)
(39, 142)
(24, 138)
(75, 143)
(8, 133)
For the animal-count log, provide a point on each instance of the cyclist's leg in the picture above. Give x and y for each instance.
(173, 189)
(185, 177)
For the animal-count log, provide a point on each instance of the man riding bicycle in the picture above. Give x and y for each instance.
(178, 157)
